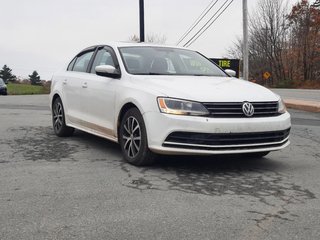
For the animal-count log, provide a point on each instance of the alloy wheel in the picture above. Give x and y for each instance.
(132, 137)
(58, 116)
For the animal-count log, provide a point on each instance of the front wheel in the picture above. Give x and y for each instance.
(58, 120)
(133, 139)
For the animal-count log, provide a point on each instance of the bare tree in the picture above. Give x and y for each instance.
(152, 38)
(134, 38)
(305, 39)
(316, 4)
(284, 42)
(268, 37)
(267, 40)
(236, 50)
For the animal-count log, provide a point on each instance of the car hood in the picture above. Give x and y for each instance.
(205, 88)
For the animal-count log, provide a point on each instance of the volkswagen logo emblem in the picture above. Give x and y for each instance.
(247, 109)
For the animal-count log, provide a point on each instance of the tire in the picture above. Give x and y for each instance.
(58, 120)
(133, 139)
(256, 154)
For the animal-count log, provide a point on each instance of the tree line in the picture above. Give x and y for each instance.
(284, 42)
(7, 76)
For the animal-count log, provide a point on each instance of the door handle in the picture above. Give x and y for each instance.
(84, 85)
(65, 82)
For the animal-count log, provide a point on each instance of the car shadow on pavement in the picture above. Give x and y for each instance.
(218, 163)
(214, 163)
(265, 180)
(92, 142)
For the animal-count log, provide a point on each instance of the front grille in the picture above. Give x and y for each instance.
(234, 110)
(225, 140)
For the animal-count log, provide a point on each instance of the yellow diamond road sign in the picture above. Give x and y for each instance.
(266, 75)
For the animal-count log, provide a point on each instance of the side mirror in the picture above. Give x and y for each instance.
(231, 72)
(107, 71)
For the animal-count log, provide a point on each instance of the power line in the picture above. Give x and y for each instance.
(195, 23)
(206, 26)
(205, 23)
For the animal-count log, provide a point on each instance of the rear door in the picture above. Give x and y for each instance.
(73, 86)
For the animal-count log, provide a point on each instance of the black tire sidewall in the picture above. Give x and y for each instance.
(64, 130)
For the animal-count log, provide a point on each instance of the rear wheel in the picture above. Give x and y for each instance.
(133, 139)
(58, 120)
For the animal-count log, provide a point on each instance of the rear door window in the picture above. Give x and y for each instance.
(82, 62)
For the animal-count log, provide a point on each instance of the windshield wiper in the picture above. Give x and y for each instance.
(152, 73)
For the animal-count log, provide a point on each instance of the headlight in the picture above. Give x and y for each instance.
(181, 107)
(281, 106)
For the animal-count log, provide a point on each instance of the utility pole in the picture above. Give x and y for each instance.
(245, 54)
(141, 11)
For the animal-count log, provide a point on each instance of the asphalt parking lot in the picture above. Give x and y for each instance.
(80, 188)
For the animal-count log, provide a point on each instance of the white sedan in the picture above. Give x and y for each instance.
(165, 100)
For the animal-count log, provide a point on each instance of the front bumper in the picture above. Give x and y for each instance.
(159, 126)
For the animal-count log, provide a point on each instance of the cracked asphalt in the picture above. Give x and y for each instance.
(80, 188)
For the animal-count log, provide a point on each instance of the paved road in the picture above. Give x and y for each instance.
(79, 187)
(300, 94)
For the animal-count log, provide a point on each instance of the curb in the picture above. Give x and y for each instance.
(309, 106)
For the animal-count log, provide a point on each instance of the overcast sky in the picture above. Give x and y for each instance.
(44, 35)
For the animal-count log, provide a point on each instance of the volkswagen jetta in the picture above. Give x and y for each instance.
(165, 100)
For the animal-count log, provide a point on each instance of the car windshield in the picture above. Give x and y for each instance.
(167, 61)
(1, 82)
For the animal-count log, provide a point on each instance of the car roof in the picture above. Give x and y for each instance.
(134, 44)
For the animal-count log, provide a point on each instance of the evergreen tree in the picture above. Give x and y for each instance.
(34, 78)
(6, 75)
